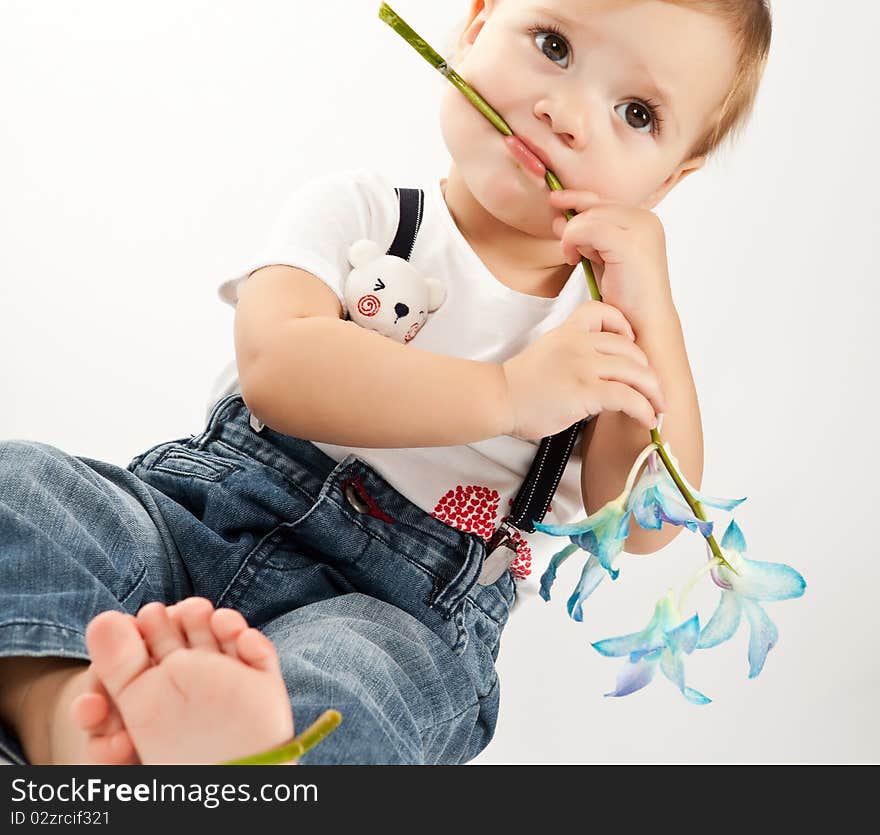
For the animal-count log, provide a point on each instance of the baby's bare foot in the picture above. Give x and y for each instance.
(106, 741)
(198, 686)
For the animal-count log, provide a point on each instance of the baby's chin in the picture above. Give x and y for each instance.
(512, 196)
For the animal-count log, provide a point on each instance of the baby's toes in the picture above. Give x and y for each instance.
(108, 741)
(117, 649)
(113, 749)
(162, 635)
(194, 615)
(227, 625)
(255, 649)
(89, 711)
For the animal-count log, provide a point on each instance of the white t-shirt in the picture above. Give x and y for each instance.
(471, 486)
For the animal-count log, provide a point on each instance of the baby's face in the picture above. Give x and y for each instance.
(589, 98)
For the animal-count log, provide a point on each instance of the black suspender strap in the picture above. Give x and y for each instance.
(543, 478)
(536, 492)
(412, 202)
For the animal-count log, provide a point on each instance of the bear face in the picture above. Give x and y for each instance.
(387, 294)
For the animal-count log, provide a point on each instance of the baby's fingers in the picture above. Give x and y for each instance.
(595, 316)
(577, 201)
(614, 343)
(619, 397)
(643, 379)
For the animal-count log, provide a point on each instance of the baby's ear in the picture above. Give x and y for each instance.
(362, 252)
(436, 293)
(683, 170)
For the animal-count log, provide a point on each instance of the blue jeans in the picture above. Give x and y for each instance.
(371, 603)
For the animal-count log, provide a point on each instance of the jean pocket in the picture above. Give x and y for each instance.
(138, 459)
(184, 461)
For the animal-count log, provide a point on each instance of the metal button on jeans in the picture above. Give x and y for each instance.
(354, 499)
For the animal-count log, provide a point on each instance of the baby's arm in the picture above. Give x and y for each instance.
(306, 372)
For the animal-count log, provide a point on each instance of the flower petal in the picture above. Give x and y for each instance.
(723, 623)
(646, 509)
(637, 643)
(609, 510)
(721, 504)
(609, 547)
(591, 575)
(702, 498)
(650, 654)
(672, 666)
(587, 541)
(733, 538)
(684, 636)
(564, 530)
(763, 636)
(623, 527)
(695, 696)
(549, 575)
(717, 578)
(634, 677)
(677, 513)
(767, 581)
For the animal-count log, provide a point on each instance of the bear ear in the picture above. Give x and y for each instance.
(436, 293)
(363, 252)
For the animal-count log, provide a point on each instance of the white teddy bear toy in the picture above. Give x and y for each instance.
(387, 294)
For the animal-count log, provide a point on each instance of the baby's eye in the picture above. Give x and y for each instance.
(380, 285)
(551, 43)
(638, 116)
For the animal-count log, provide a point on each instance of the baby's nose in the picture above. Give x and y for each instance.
(401, 309)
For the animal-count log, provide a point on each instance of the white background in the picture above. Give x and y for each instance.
(144, 151)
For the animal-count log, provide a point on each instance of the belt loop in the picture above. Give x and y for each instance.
(448, 598)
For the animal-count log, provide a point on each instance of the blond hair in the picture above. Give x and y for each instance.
(751, 23)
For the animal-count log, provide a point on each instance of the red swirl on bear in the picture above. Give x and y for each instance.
(368, 305)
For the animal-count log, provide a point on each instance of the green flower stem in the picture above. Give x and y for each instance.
(438, 62)
(294, 749)
(389, 16)
(688, 497)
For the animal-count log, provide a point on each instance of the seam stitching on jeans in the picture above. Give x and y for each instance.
(49, 623)
(136, 584)
(287, 480)
(247, 565)
(378, 538)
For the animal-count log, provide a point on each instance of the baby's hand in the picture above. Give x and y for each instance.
(627, 246)
(587, 365)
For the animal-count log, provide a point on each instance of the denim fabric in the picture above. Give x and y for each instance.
(372, 603)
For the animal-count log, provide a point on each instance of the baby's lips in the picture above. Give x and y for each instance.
(524, 155)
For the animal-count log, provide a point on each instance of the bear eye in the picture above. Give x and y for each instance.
(380, 285)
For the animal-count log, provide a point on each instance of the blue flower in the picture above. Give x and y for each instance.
(656, 499)
(591, 575)
(661, 642)
(602, 535)
(754, 581)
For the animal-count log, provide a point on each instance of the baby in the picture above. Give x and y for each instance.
(342, 493)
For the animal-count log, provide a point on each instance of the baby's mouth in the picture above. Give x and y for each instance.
(525, 157)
